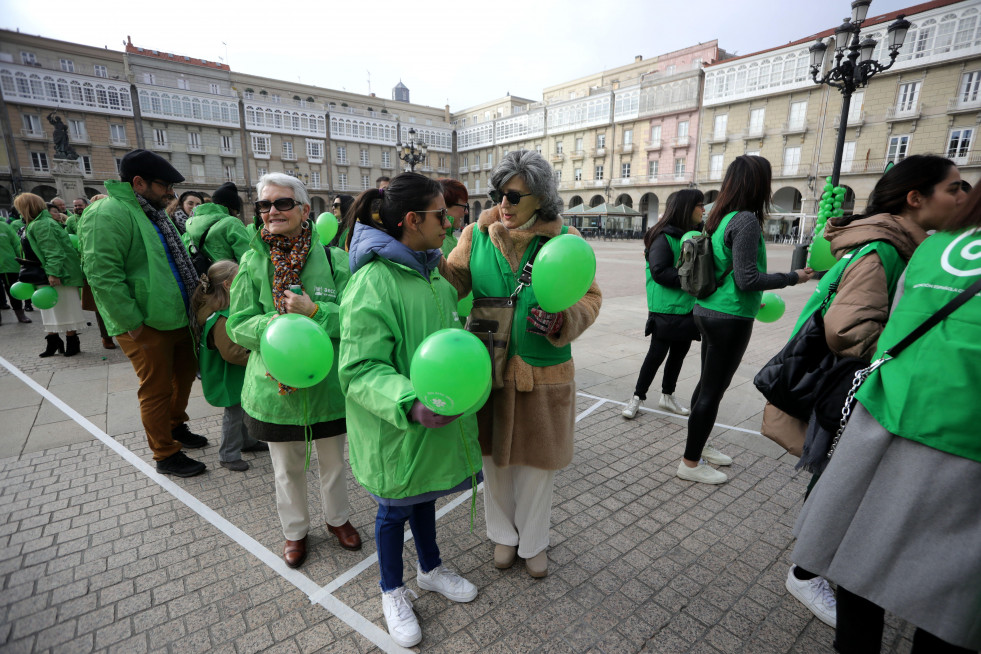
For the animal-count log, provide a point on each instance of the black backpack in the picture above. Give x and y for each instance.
(199, 259)
(696, 267)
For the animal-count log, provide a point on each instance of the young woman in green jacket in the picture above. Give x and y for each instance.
(403, 454)
(50, 245)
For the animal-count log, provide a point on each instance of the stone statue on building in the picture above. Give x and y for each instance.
(63, 149)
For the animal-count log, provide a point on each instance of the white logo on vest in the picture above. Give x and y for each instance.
(970, 252)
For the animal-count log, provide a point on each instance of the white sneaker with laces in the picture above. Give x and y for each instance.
(403, 626)
(669, 403)
(816, 595)
(701, 473)
(632, 407)
(447, 583)
(712, 455)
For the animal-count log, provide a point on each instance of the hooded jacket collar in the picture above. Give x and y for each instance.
(900, 232)
(369, 242)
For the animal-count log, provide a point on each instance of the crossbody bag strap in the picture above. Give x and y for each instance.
(204, 236)
(525, 278)
(833, 288)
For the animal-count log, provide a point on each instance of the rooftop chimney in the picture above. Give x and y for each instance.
(638, 58)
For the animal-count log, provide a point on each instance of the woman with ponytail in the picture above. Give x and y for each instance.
(403, 454)
(283, 273)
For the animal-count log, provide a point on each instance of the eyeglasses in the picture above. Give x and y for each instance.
(282, 204)
(441, 212)
(466, 208)
(513, 196)
(169, 187)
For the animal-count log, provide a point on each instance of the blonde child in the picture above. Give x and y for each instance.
(222, 363)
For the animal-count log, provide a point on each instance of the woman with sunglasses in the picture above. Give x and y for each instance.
(402, 453)
(526, 428)
(458, 211)
(341, 208)
(284, 271)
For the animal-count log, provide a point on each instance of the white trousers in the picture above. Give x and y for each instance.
(291, 484)
(518, 506)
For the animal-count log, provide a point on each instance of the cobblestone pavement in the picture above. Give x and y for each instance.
(97, 556)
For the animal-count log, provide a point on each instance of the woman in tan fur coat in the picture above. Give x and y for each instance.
(526, 428)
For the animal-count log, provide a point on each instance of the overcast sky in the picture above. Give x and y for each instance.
(461, 53)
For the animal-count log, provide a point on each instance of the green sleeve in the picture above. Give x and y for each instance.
(369, 335)
(341, 261)
(237, 238)
(105, 241)
(247, 319)
(44, 240)
(71, 225)
(328, 317)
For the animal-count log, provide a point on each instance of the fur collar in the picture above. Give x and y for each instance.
(512, 243)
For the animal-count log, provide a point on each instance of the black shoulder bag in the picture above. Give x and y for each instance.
(199, 259)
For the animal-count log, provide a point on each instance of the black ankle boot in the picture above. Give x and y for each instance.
(73, 347)
(55, 344)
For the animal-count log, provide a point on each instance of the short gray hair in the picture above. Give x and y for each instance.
(287, 181)
(536, 173)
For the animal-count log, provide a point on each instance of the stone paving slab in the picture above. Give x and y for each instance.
(96, 557)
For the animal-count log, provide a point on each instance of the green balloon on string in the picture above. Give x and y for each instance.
(45, 297)
(21, 290)
(465, 306)
(563, 271)
(450, 371)
(74, 239)
(772, 307)
(482, 401)
(820, 254)
(326, 227)
(296, 350)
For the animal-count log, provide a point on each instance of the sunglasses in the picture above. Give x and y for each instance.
(513, 196)
(441, 212)
(282, 204)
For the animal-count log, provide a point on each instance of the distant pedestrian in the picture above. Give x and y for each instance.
(670, 323)
(457, 210)
(226, 237)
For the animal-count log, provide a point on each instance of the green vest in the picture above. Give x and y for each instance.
(892, 263)
(729, 298)
(221, 381)
(928, 393)
(492, 276)
(661, 299)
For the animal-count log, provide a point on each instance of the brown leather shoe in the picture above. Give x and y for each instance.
(295, 552)
(108, 344)
(347, 536)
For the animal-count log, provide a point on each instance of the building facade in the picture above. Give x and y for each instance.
(767, 104)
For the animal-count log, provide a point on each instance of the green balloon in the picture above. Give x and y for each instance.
(296, 350)
(45, 297)
(837, 204)
(450, 371)
(21, 290)
(465, 306)
(482, 401)
(326, 228)
(687, 235)
(820, 257)
(772, 307)
(74, 239)
(828, 187)
(563, 271)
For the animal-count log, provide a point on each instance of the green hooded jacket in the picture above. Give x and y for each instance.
(227, 239)
(387, 311)
(54, 250)
(251, 310)
(10, 248)
(126, 265)
(71, 224)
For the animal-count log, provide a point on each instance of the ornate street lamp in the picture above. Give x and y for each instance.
(413, 152)
(853, 64)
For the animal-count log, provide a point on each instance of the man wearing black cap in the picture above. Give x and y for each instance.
(142, 279)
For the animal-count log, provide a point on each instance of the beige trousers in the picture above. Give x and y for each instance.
(518, 506)
(291, 484)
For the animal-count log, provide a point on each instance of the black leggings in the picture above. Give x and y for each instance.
(675, 351)
(8, 280)
(859, 629)
(724, 341)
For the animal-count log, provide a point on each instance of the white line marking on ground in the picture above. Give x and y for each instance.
(355, 620)
(590, 409)
(663, 413)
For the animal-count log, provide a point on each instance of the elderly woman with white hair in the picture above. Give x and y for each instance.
(285, 256)
(526, 428)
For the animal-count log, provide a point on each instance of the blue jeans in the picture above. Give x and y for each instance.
(390, 537)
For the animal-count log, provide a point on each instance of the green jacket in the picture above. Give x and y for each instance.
(227, 239)
(9, 248)
(71, 224)
(251, 310)
(54, 250)
(387, 311)
(126, 265)
(728, 297)
(448, 243)
(17, 224)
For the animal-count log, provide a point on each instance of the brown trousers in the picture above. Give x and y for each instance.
(166, 365)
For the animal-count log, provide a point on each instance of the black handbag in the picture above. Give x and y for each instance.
(31, 270)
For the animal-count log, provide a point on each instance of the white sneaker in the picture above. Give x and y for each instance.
(447, 583)
(632, 407)
(712, 455)
(816, 595)
(701, 473)
(668, 403)
(402, 623)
